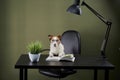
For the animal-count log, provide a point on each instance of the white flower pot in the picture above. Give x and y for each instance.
(34, 57)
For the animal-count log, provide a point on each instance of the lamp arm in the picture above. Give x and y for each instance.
(108, 23)
(96, 13)
(104, 43)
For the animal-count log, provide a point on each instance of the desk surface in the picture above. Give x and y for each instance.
(81, 62)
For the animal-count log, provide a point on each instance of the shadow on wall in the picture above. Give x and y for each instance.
(114, 5)
(4, 30)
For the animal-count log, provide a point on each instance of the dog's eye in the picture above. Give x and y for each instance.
(57, 40)
(53, 40)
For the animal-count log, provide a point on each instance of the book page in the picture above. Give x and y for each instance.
(66, 57)
(53, 58)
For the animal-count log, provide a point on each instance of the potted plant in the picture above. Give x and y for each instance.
(34, 49)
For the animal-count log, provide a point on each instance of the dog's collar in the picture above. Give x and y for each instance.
(55, 54)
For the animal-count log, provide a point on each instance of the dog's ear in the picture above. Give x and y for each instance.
(50, 37)
(59, 36)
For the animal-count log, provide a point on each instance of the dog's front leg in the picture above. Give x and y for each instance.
(61, 54)
(50, 54)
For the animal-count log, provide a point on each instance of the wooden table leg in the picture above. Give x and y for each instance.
(95, 74)
(106, 74)
(23, 74)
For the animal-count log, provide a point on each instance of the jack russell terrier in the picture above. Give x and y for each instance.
(56, 47)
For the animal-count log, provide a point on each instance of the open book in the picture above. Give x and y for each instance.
(66, 57)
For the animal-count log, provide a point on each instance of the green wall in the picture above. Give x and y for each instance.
(23, 21)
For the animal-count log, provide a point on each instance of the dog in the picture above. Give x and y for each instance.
(56, 47)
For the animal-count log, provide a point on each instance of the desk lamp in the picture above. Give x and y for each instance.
(75, 9)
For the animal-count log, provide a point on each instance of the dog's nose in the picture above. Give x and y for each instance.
(54, 45)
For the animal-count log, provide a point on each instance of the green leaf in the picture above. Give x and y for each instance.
(34, 47)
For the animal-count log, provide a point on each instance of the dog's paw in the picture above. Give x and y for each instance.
(50, 55)
(61, 55)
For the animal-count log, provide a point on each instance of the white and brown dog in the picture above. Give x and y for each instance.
(56, 47)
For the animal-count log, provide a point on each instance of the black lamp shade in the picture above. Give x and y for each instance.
(74, 9)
